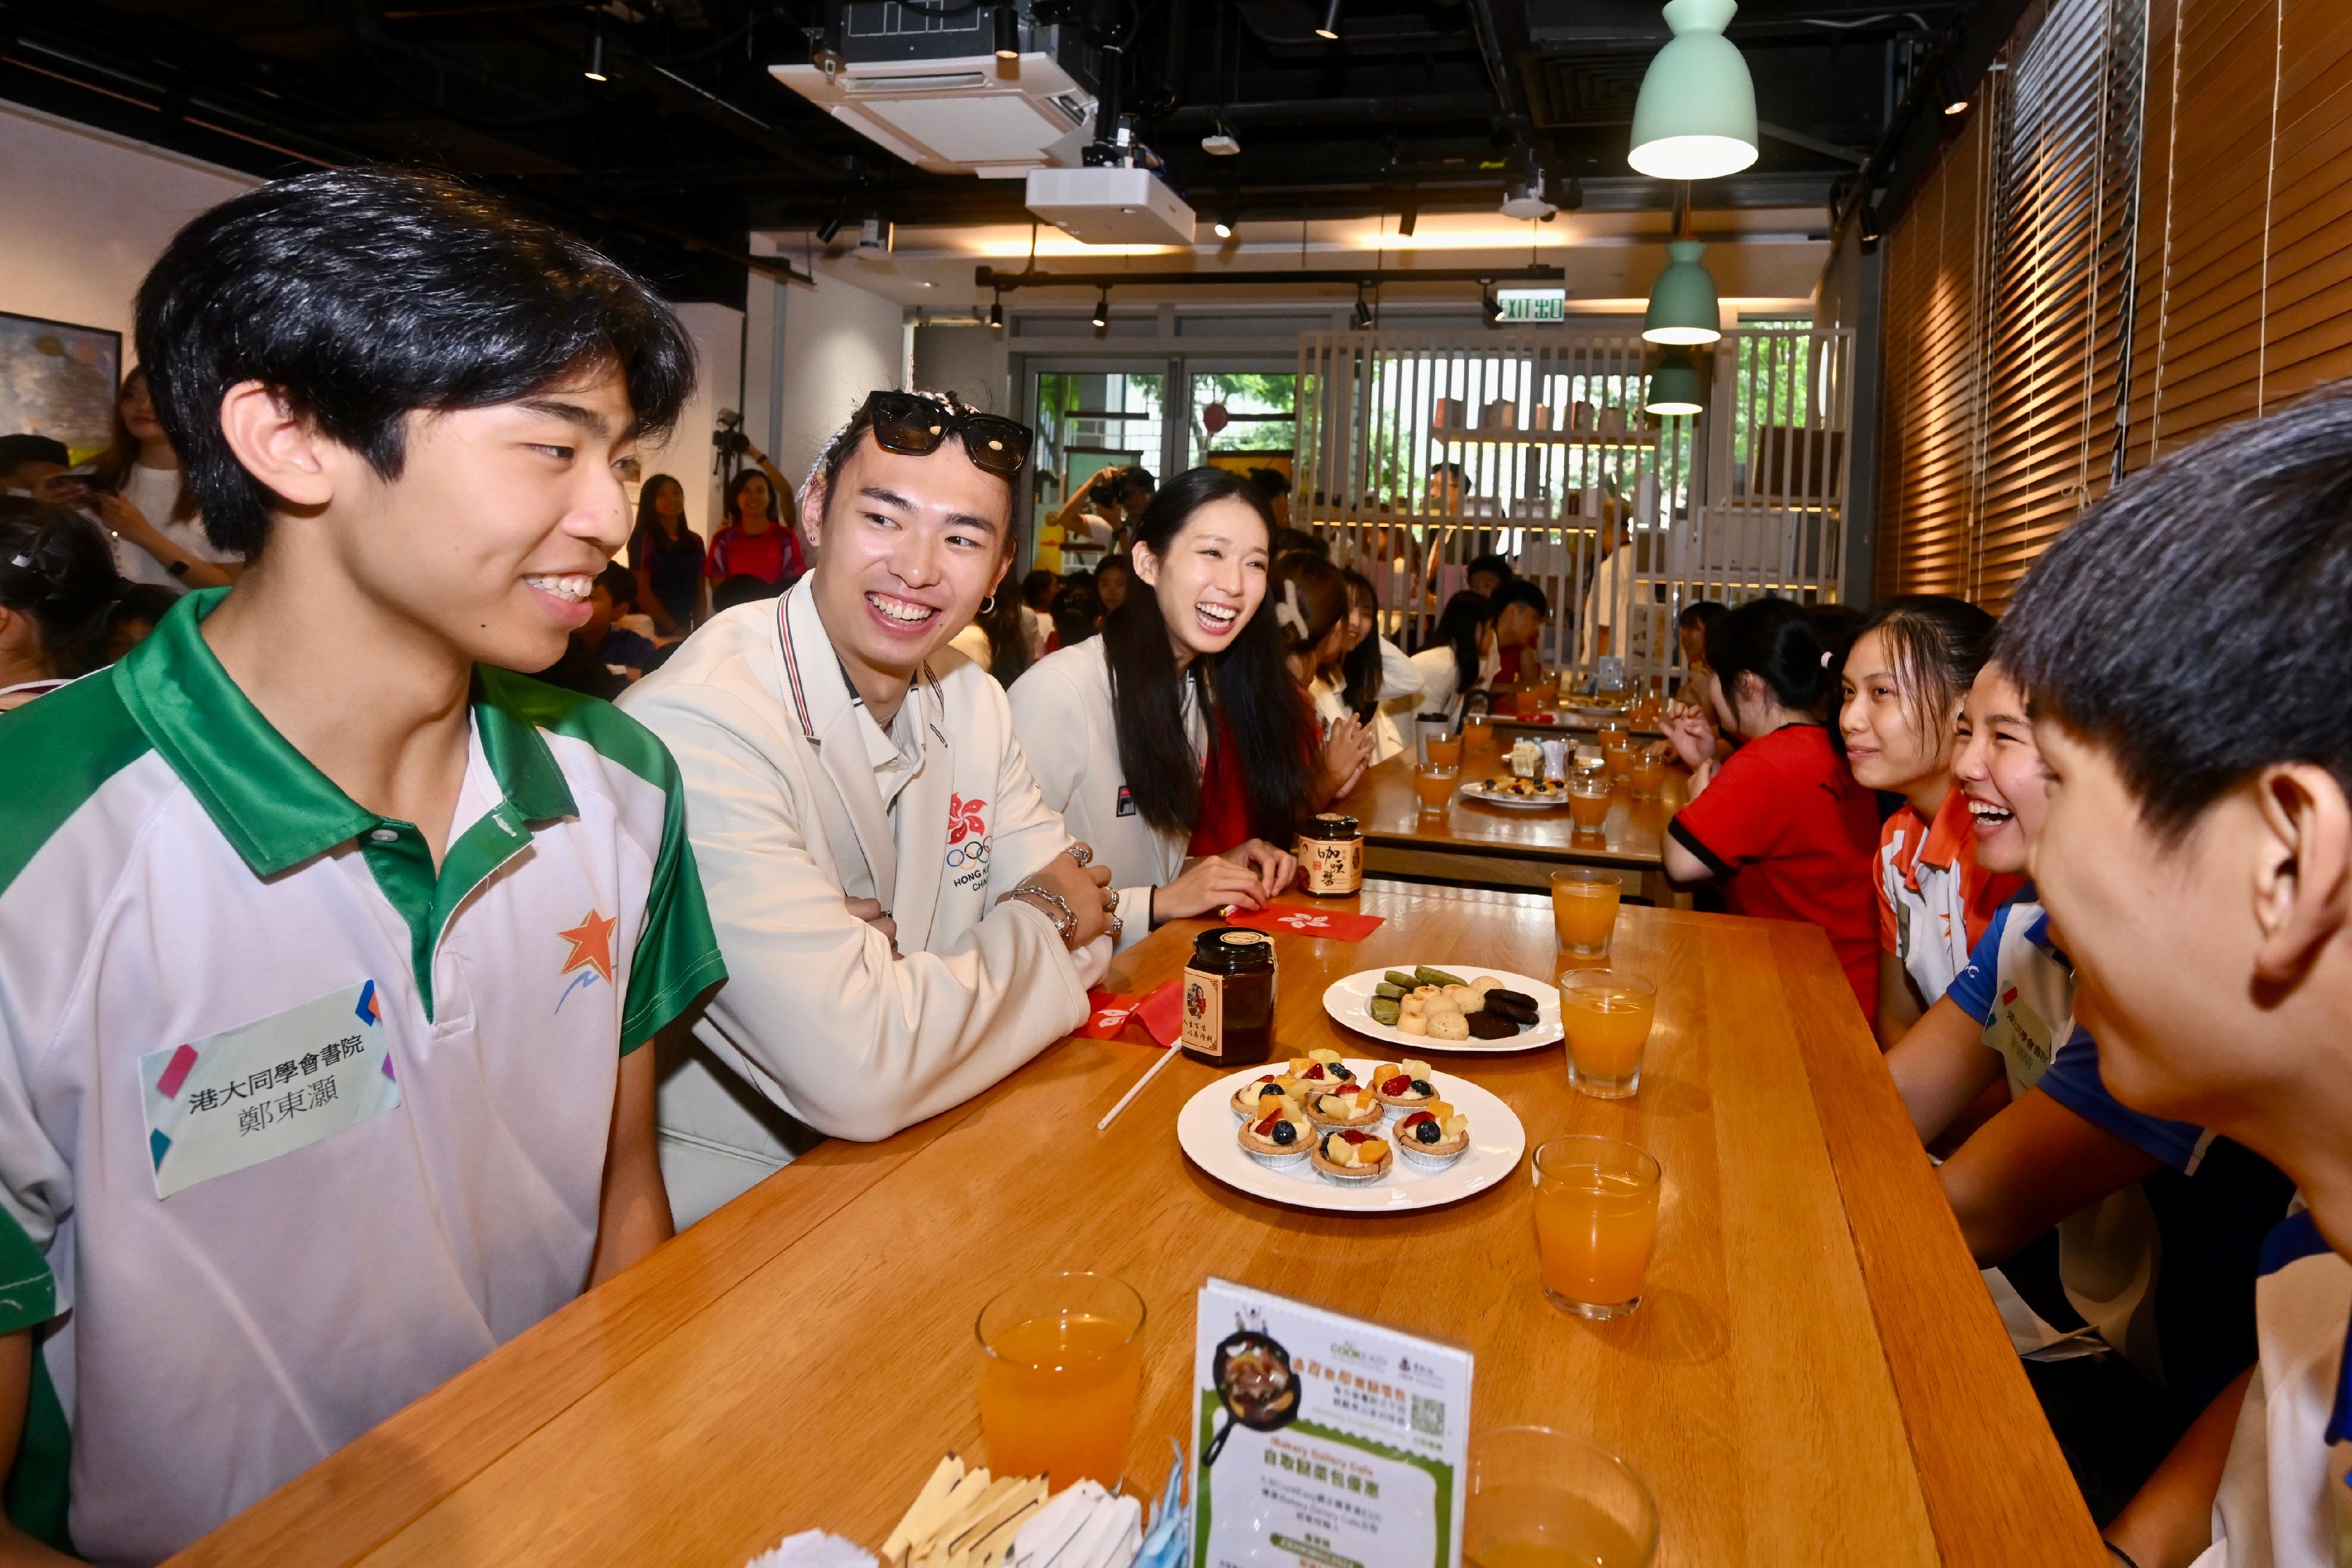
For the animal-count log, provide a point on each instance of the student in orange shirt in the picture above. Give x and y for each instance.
(1910, 667)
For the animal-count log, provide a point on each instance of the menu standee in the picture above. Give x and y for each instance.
(1324, 1441)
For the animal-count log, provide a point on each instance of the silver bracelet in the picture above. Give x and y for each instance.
(1065, 918)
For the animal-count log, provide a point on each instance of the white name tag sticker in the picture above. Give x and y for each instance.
(253, 1093)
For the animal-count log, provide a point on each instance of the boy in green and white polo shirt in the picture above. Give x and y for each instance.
(324, 943)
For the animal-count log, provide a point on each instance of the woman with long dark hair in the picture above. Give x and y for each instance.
(57, 585)
(1461, 656)
(1371, 673)
(667, 556)
(1311, 607)
(1177, 736)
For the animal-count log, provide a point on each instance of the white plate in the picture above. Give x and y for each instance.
(1344, 999)
(1518, 803)
(1206, 1126)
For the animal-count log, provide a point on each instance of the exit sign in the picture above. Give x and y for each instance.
(1532, 304)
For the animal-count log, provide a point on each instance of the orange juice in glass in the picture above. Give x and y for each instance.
(1648, 773)
(1617, 754)
(1606, 1016)
(1584, 907)
(1588, 802)
(1445, 751)
(1596, 1212)
(1061, 1365)
(1434, 785)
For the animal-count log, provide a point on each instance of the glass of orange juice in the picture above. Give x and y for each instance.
(1061, 1365)
(1477, 736)
(1545, 1498)
(1588, 802)
(1434, 785)
(1649, 772)
(1584, 906)
(1596, 1220)
(1445, 751)
(1606, 1016)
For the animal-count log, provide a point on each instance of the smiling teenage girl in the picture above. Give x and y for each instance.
(1903, 680)
(1118, 729)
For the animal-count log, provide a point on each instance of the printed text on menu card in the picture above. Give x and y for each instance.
(1323, 1441)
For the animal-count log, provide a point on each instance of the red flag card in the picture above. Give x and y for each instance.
(1161, 1012)
(1298, 920)
(1108, 1019)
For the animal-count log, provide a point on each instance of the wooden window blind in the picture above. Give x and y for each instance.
(2168, 188)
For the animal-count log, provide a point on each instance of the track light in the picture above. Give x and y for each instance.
(1491, 306)
(1947, 90)
(595, 70)
(1223, 225)
(1102, 311)
(1363, 311)
(997, 312)
(1572, 199)
(830, 228)
(1329, 30)
(1008, 31)
(1408, 217)
(1696, 117)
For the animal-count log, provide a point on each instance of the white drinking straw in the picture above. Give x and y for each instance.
(1166, 1057)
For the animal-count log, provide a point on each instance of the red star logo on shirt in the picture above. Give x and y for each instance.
(592, 946)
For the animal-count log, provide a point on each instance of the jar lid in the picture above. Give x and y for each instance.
(1229, 945)
(1331, 825)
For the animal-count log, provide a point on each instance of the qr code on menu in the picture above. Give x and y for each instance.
(1428, 1415)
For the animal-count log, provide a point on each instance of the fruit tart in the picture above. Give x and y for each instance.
(1433, 1136)
(1321, 1070)
(1351, 1157)
(1267, 1086)
(1349, 1107)
(1280, 1138)
(1402, 1086)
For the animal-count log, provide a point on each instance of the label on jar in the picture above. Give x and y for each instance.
(1331, 866)
(1204, 1013)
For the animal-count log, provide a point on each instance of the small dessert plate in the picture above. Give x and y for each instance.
(1205, 1130)
(1344, 999)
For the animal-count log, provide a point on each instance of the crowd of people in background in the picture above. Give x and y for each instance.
(873, 812)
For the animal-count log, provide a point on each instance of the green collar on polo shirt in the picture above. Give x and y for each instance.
(268, 799)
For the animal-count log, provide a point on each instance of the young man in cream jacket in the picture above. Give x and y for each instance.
(907, 919)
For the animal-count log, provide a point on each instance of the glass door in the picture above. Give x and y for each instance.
(1088, 421)
(1243, 420)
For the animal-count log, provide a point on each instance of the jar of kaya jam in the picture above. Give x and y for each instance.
(1332, 856)
(1228, 998)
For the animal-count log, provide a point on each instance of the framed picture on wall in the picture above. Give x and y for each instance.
(59, 380)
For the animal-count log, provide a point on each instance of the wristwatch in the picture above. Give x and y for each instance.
(1065, 918)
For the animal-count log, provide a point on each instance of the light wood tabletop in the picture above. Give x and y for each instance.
(1816, 1375)
(1470, 841)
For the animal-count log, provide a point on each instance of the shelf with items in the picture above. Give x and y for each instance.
(1501, 437)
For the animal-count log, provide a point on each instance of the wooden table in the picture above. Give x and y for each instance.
(1816, 1376)
(1500, 846)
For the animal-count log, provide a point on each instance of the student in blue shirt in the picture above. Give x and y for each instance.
(2186, 645)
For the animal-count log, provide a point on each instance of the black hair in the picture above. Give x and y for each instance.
(650, 493)
(1773, 639)
(1037, 582)
(1245, 690)
(619, 583)
(2196, 658)
(1457, 628)
(142, 601)
(1298, 541)
(1004, 621)
(1272, 483)
(827, 473)
(1360, 687)
(362, 296)
(1136, 480)
(742, 482)
(1935, 646)
(1499, 564)
(1454, 468)
(1520, 590)
(1702, 614)
(743, 588)
(29, 448)
(1114, 563)
(1313, 587)
(56, 567)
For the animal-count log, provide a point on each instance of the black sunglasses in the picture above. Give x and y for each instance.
(914, 426)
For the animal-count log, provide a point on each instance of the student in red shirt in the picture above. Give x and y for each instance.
(1902, 687)
(757, 541)
(1779, 823)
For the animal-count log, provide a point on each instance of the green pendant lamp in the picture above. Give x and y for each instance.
(1682, 303)
(1695, 119)
(1676, 385)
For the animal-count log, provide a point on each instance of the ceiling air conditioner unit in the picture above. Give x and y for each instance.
(932, 90)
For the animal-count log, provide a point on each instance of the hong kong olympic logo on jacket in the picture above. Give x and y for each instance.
(968, 840)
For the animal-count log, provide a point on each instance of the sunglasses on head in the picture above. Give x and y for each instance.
(914, 426)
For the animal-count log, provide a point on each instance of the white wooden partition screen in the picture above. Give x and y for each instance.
(1552, 450)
